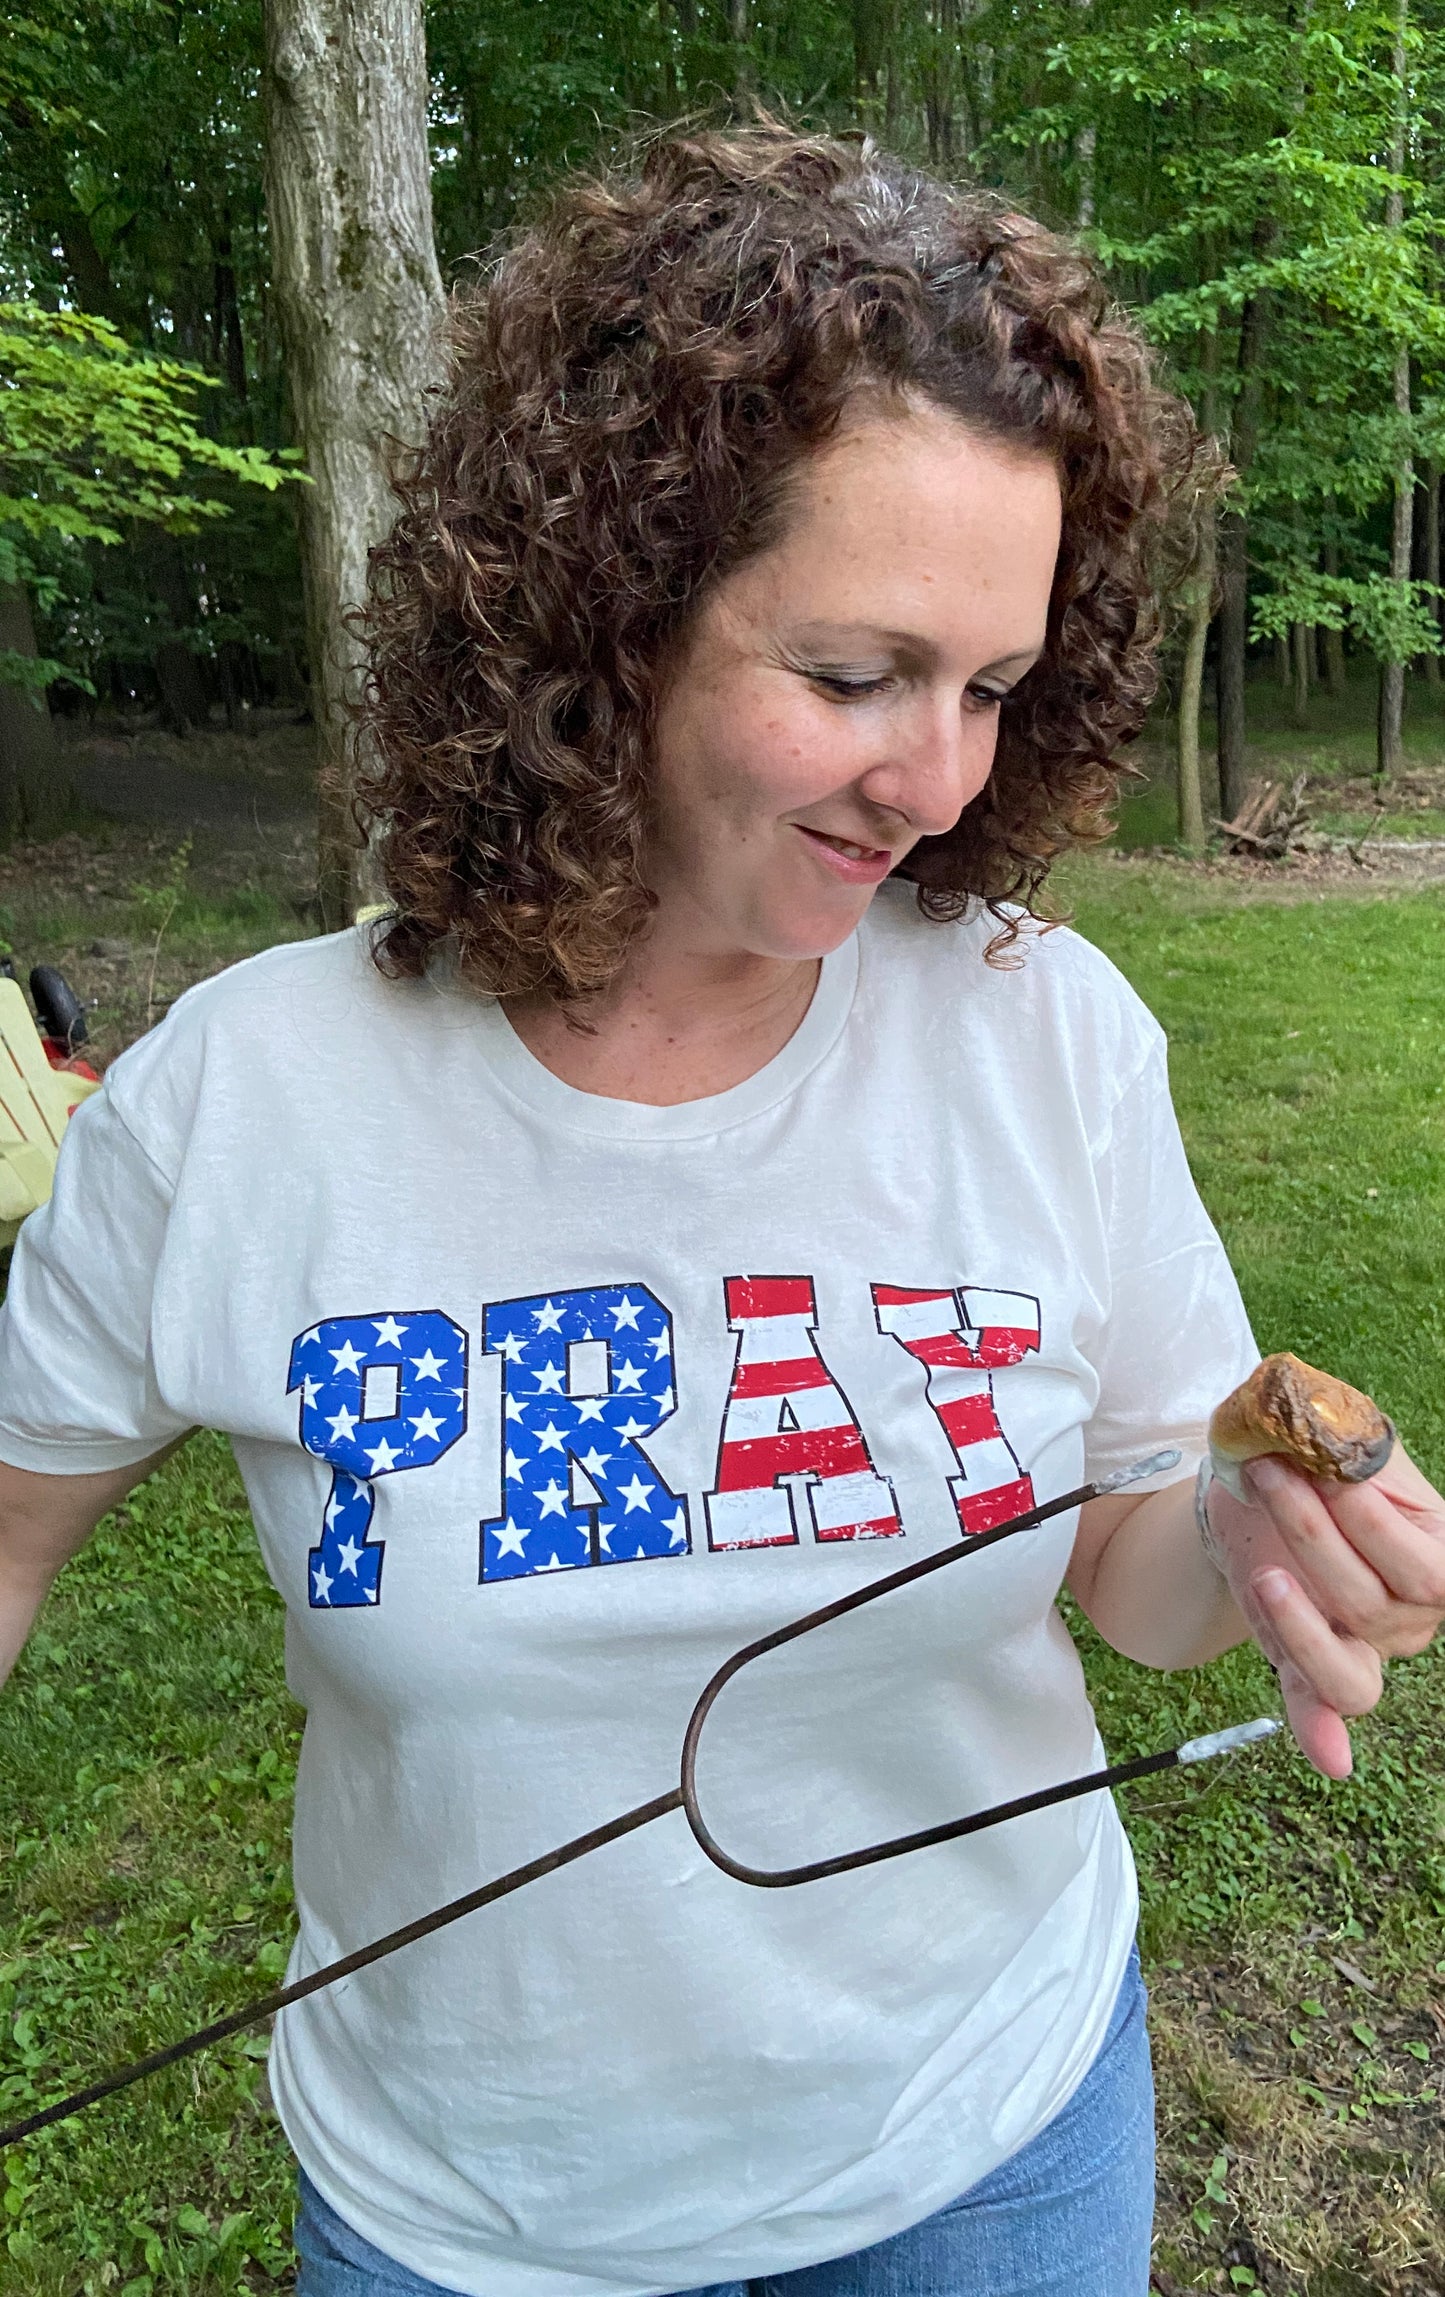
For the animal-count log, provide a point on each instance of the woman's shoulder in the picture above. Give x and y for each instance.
(292, 1011)
(295, 988)
(1049, 975)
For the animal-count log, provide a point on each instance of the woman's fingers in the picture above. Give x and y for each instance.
(1342, 1581)
(1319, 1732)
(1332, 1578)
(1325, 1675)
(1372, 1555)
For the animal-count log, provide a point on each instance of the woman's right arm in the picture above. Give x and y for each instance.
(44, 1520)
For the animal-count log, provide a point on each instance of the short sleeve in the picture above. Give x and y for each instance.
(78, 1390)
(1176, 1338)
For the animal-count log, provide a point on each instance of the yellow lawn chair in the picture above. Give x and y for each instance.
(36, 1103)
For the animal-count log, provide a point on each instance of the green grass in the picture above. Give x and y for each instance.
(146, 1746)
(147, 1751)
(1308, 1060)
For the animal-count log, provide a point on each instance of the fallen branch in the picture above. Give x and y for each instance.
(1270, 821)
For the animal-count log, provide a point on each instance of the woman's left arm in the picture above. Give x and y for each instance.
(1328, 1578)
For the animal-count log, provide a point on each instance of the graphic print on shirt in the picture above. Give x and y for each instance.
(585, 1375)
(963, 1337)
(378, 1394)
(791, 1449)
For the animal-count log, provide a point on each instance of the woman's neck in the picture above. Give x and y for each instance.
(674, 1027)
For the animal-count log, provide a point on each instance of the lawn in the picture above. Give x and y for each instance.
(1295, 1932)
(1300, 2107)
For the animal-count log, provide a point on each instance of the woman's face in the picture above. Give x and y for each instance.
(838, 696)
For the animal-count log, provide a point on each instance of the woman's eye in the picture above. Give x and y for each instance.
(847, 689)
(989, 696)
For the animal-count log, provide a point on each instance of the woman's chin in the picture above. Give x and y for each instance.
(814, 929)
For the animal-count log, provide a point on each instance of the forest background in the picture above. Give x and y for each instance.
(1265, 186)
(1262, 184)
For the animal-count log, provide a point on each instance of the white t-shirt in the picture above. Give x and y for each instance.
(478, 1338)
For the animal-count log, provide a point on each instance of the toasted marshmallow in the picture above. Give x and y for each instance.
(1288, 1409)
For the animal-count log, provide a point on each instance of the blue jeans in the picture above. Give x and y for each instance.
(1070, 2215)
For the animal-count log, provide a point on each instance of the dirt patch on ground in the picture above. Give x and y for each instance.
(133, 916)
(1301, 2135)
(234, 786)
(169, 860)
(1354, 867)
(1419, 787)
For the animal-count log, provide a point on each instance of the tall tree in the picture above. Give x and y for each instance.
(359, 296)
(1389, 745)
(1254, 320)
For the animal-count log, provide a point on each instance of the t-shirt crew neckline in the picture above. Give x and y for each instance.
(529, 1081)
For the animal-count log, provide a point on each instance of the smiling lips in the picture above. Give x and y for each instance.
(854, 864)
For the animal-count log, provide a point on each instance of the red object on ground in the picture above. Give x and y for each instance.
(59, 1058)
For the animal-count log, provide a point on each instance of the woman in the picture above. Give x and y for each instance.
(706, 1170)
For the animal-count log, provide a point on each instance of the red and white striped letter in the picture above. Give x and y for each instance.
(963, 1337)
(789, 1432)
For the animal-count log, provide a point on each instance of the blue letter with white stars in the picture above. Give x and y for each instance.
(378, 1394)
(584, 1374)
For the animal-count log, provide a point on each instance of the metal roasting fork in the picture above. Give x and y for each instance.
(683, 1797)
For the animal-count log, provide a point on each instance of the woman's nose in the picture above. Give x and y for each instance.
(935, 764)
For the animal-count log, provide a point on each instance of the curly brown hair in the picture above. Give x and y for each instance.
(632, 385)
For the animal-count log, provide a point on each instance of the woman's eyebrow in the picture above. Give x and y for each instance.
(851, 633)
(840, 634)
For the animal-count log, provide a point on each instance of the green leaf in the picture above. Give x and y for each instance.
(95, 434)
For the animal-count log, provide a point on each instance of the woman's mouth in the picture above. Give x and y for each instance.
(854, 864)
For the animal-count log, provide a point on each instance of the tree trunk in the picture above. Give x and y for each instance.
(183, 697)
(940, 91)
(1229, 668)
(1390, 744)
(1334, 639)
(1234, 544)
(89, 271)
(1085, 159)
(1334, 664)
(229, 346)
(893, 101)
(983, 87)
(740, 33)
(359, 299)
(1389, 755)
(29, 752)
(1191, 687)
(872, 27)
(1430, 569)
(1085, 149)
(1302, 639)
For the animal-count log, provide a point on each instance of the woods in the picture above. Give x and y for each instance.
(1262, 184)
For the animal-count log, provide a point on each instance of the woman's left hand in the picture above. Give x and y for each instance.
(1333, 1578)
